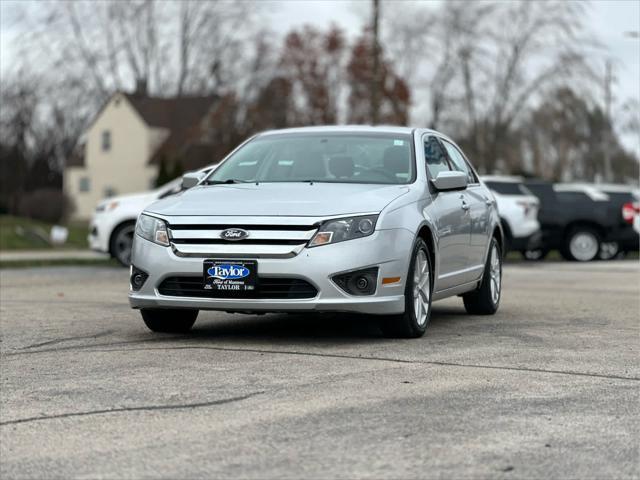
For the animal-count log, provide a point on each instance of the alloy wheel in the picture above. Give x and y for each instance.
(421, 287)
(495, 274)
(584, 246)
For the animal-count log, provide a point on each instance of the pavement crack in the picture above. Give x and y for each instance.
(19, 351)
(384, 359)
(67, 339)
(533, 370)
(256, 350)
(181, 406)
(96, 348)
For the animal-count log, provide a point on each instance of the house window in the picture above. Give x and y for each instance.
(85, 184)
(109, 192)
(106, 141)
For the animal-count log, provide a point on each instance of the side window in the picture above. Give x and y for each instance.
(84, 185)
(106, 141)
(435, 157)
(458, 161)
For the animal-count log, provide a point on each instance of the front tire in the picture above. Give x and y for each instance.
(169, 320)
(486, 299)
(417, 311)
(121, 243)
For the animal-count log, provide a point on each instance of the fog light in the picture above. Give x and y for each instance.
(360, 282)
(138, 277)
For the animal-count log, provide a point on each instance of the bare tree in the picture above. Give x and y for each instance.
(481, 64)
(313, 61)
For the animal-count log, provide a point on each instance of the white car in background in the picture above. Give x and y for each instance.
(518, 209)
(114, 219)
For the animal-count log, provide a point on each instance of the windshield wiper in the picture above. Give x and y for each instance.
(227, 181)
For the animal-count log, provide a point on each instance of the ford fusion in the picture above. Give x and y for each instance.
(373, 220)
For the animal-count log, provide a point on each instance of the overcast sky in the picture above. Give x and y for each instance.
(609, 19)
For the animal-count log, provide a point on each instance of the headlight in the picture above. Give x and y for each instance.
(107, 206)
(152, 229)
(334, 231)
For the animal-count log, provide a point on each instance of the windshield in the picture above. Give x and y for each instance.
(327, 157)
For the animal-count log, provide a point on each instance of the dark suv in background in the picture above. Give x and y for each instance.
(584, 222)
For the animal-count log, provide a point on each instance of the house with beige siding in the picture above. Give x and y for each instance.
(127, 142)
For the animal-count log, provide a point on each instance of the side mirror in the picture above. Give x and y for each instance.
(191, 179)
(450, 181)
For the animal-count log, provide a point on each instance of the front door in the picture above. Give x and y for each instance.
(452, 222)
(477, 202)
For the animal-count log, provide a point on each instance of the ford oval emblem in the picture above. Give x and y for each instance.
(234, 234)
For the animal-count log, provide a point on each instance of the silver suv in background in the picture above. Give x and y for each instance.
(373, 220)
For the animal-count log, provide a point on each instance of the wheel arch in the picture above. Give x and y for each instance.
(583, 223)
(115, 229)
(499, 235)
(426, 234)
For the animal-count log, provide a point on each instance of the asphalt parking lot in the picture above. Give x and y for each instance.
(547, 388)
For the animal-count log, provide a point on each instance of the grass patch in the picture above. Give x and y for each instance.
(18, 233)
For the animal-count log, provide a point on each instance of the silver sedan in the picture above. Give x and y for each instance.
(374, 220)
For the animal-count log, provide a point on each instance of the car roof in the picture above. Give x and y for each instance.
(617, 188)
(342, 128)
(502, 178)
(587, 189)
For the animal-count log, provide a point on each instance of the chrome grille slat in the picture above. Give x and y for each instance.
(237, 249)
(273, 239)
(302, 235)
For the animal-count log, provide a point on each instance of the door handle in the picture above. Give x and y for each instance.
(465, 205)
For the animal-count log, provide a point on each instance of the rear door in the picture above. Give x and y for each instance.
(478, 202)
(452, 220)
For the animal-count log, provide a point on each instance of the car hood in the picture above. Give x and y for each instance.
(280, 199)
(134, 198)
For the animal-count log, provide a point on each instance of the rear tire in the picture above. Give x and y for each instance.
(609, 251)
(417, 294)
(535, 255)
(582, 244)
(486, 299)
(169, 320)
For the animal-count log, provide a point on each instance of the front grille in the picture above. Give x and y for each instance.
(262, 241)
(268, 288)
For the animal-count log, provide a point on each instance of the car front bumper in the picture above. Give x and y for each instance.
(389, 250)
(99, 232)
